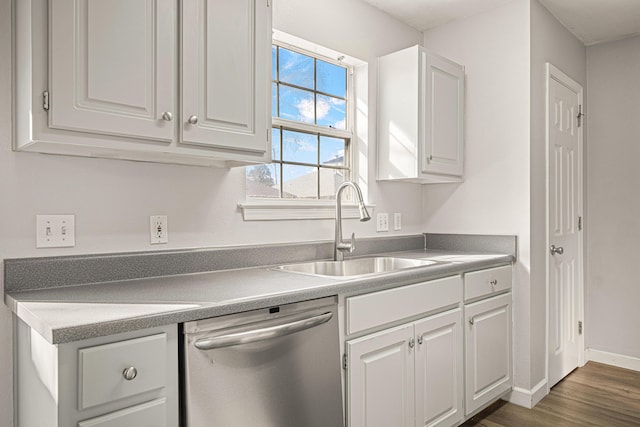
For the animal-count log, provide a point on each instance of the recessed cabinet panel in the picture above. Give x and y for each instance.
(380, 379)
(151, 414)
(439, 379)
(112, 67)
(225, 74)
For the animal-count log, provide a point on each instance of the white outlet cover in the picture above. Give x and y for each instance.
(55, 231)
(382, 222)
(158, 229)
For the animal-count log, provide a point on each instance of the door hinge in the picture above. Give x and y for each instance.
(579, 327)
(579, 223)
(45, 100)
(344, 361)
(580, 115)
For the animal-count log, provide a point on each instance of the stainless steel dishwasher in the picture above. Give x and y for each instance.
(275, 367)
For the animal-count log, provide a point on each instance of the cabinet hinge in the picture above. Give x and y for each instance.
(579, 327)
(579, 223)
(45, 100)
(344, 361)
(580, 115)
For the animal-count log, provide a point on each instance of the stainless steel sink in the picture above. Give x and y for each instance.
(355, 266)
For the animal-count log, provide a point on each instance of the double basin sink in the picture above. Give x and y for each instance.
(355, 267)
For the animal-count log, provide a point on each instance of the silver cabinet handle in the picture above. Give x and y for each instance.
(167, 116)
(494, 282)
(412, 343)
(472, 321)
(130, 373)
(556, 250)
(420, 339)
(193, 119)
(261, 334)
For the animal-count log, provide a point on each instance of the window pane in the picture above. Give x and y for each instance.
(275, 144)
(262, 180)
(274, 62)
(296, 104)
(331, 112)
(299, 182)
(299, 147)
(295, 68)
(274, 99)
(332, 151)
(331, 79)
(330, 179)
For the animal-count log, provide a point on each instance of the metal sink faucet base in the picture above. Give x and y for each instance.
(340, 246)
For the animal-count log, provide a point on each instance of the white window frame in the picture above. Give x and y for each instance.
(254, 208)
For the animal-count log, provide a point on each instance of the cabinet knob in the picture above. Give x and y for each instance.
(420, 339)
(471, 321)
(167, 116)
(556, 250)
(193, 119)
(494, 282)
(412, 343)
(130, 373)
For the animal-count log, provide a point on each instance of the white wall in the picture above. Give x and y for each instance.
(550, 42)
(494, 198)
(113, 199)
(613, 199)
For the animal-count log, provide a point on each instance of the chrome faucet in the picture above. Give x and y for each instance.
(340, 247)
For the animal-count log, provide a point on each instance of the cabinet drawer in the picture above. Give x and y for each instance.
(150, 414)
(378, 308)
(486, 282)
(101, 369)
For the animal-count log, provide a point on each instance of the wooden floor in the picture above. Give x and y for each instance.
(594, 395)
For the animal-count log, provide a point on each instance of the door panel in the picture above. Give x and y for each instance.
(114, 68)
(226, 53)
(564, 210)
(380, 379)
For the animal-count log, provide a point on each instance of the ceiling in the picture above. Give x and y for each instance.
(592, 21)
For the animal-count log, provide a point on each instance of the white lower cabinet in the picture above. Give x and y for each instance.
(124, 380)
(488, 336)
(408, 375)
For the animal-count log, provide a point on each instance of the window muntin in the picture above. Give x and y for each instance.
(311, 134)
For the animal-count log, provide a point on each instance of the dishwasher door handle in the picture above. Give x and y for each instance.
(262, 334)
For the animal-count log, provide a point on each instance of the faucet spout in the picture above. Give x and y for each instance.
(340, 246)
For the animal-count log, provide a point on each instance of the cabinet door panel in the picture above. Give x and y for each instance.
(439, 373)
(443, 109)
(226, 54)
(380, 379)
(488, 350)
(150, 414)
(113, 67)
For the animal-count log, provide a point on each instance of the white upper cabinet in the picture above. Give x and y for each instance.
(420, 117)
(112, 67)
(225, 85)
(137, 80)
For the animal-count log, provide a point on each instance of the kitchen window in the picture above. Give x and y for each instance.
(311, 133)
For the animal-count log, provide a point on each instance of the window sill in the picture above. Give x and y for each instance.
(282, 210)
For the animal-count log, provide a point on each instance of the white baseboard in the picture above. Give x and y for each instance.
(528, 398)
(619, 360)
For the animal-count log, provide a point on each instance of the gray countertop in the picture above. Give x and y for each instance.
(71, 313)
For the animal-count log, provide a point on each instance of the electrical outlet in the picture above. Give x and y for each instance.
(382, 223)
(397, 221)
(158, 229)
(55, 231)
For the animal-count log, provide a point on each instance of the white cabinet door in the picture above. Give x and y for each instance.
(380, 379)
(443, 115)
(113, 67)
(487, 351)
(226, 54)
(439, 370)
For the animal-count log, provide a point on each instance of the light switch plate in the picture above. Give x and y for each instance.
(397, 221)
(55, 231)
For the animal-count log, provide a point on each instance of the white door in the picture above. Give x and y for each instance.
(113, 67)
(439, 371)
(380, 379)
(565, 207)
(487, 350)
(443, 109)
(226, 66)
